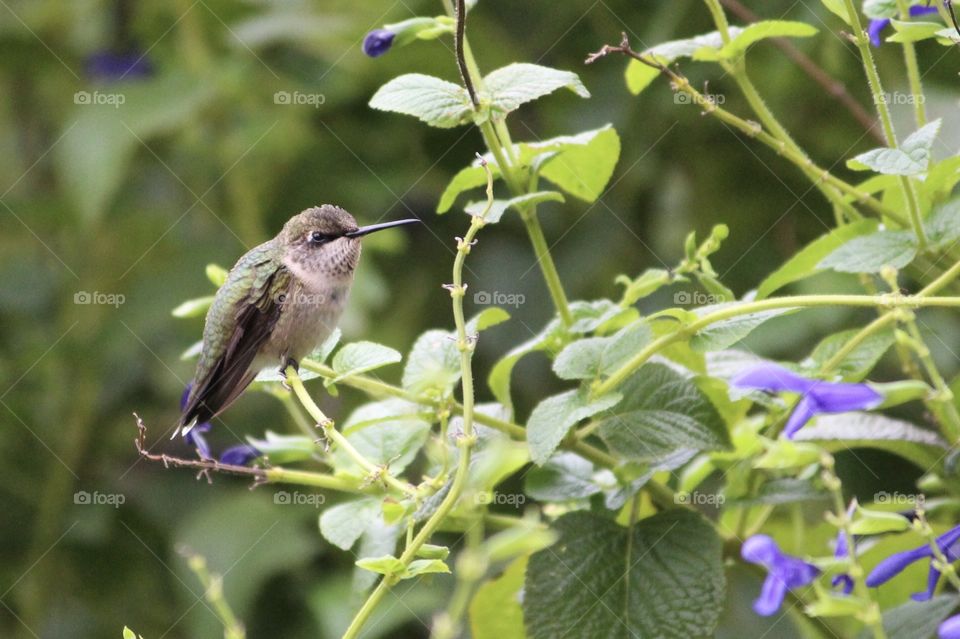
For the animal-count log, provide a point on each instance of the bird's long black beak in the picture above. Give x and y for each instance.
(366, 230)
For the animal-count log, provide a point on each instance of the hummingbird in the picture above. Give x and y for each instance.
(280, 301)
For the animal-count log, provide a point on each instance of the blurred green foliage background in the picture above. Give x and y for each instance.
(200, 163)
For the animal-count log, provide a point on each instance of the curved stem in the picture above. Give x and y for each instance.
(889, 301)
(913, 71)
(465, 344)
(375, 473)
(883, 110)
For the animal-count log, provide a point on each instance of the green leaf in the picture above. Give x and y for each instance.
(590, 357)
(754, 33)
(433, 365)
(487, 318)
(469, 178)
(875, 522)
(917, 619)
(518, 83)
(725, 333)
(499, 207)
(282, 449)
(495, 611)
(870, 430)
(564, 477)
(590, 316)
(912, 158)
(426, 566)
(647, 283)
(388, 433)
(914, 31)
(360, 357)
(639, 76)
(806, 262)
(197, 307)
(662, 414)
(837, 8)
(860, 361)
(871, 253)
(216, 274)
(943, 226)
(437, 102)
(385, 565)
(875, 9)
(553, 417)
(584, 163)
(664, 581)
(343, 524)
(786, 490)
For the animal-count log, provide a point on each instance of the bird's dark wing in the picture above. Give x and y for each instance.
(239, 322)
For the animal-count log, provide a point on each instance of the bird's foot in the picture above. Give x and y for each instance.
(287, 363)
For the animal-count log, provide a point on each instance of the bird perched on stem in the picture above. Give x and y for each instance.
(280, 301)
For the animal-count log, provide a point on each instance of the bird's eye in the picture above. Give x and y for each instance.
(316, 237)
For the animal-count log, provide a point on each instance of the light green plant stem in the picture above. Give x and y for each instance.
(946, 566)
(913, 70)
(889, 301)
(466, 441)
(471, 567)
(376, 473)
(378, 388)
(497, 139)
(871, 614)
(213, 593)
(883, 110)
(754, 130)
(738, 70)
(944, 398)
(279, 475)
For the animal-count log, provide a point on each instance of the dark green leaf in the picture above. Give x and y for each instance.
(553, 417)
(666, 582)
(662, 413)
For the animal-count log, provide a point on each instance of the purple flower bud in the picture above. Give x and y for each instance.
(783, 572)
(378, 42)
(876, 27)
(950, 629)
(239, 455)
(817, 396)
(112, 67)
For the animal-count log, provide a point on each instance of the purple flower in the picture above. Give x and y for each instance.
(783, 572)
(894, 564)
(817, 396)
(111, 66)
(194, 437)
(950, 629)
(239, 455)
(378, 42)
(878, 25)
(842, 550)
